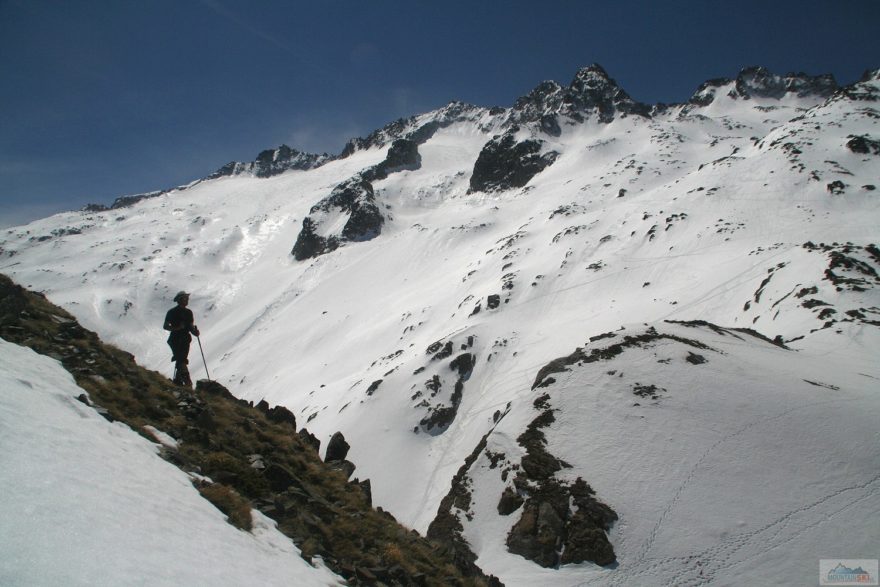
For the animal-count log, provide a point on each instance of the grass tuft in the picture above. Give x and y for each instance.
(228, 501)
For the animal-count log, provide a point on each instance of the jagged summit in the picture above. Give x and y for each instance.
(592, 87)
(759, 82)
(417, 128)
(591, 91)
(872, 75)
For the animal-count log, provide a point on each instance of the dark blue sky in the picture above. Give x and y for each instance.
(105, 98)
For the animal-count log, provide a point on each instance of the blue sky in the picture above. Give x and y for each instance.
(102, 98)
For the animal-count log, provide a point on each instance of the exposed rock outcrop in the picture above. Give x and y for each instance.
(417, 129)
(560, 522)
(353, 199)
(403, 154)
(863, 144)
(446, 527)
(123, 201)
(504, 163)
(273, 162)
(337, 448)
(759, 82)
(356, 199)
(440, 417)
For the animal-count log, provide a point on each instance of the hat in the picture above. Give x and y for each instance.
(180, 294)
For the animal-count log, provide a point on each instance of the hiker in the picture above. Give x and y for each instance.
(179, 320)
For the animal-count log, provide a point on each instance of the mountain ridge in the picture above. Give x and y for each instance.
(591, 88)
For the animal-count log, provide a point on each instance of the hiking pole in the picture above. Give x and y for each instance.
(203, 357)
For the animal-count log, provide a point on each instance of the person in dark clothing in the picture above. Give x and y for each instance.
(180, 322)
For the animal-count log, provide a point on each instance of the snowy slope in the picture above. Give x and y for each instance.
(87, 502)
(728, 460)
(726, 209)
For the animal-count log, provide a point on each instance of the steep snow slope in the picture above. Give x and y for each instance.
(737, 208)
(63, 468)
(727, 459)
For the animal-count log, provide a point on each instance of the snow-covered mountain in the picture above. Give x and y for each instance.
(578, 329)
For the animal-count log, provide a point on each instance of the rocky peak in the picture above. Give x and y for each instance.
(456, 109)
(415, 128)
(273, 162)
(705, 94)
(759, 82)
(592, 91)
(546, 94)
(865, 90)
(593, 78)
(592, 88)
(871, 76)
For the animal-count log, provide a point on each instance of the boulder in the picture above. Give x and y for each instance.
(337, 448)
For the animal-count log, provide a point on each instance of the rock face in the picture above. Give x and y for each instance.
(504, 164)
(273, 162)
(593, 90)
(353, 199)
(123, 202)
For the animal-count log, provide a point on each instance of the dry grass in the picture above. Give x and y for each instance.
(228, 501)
